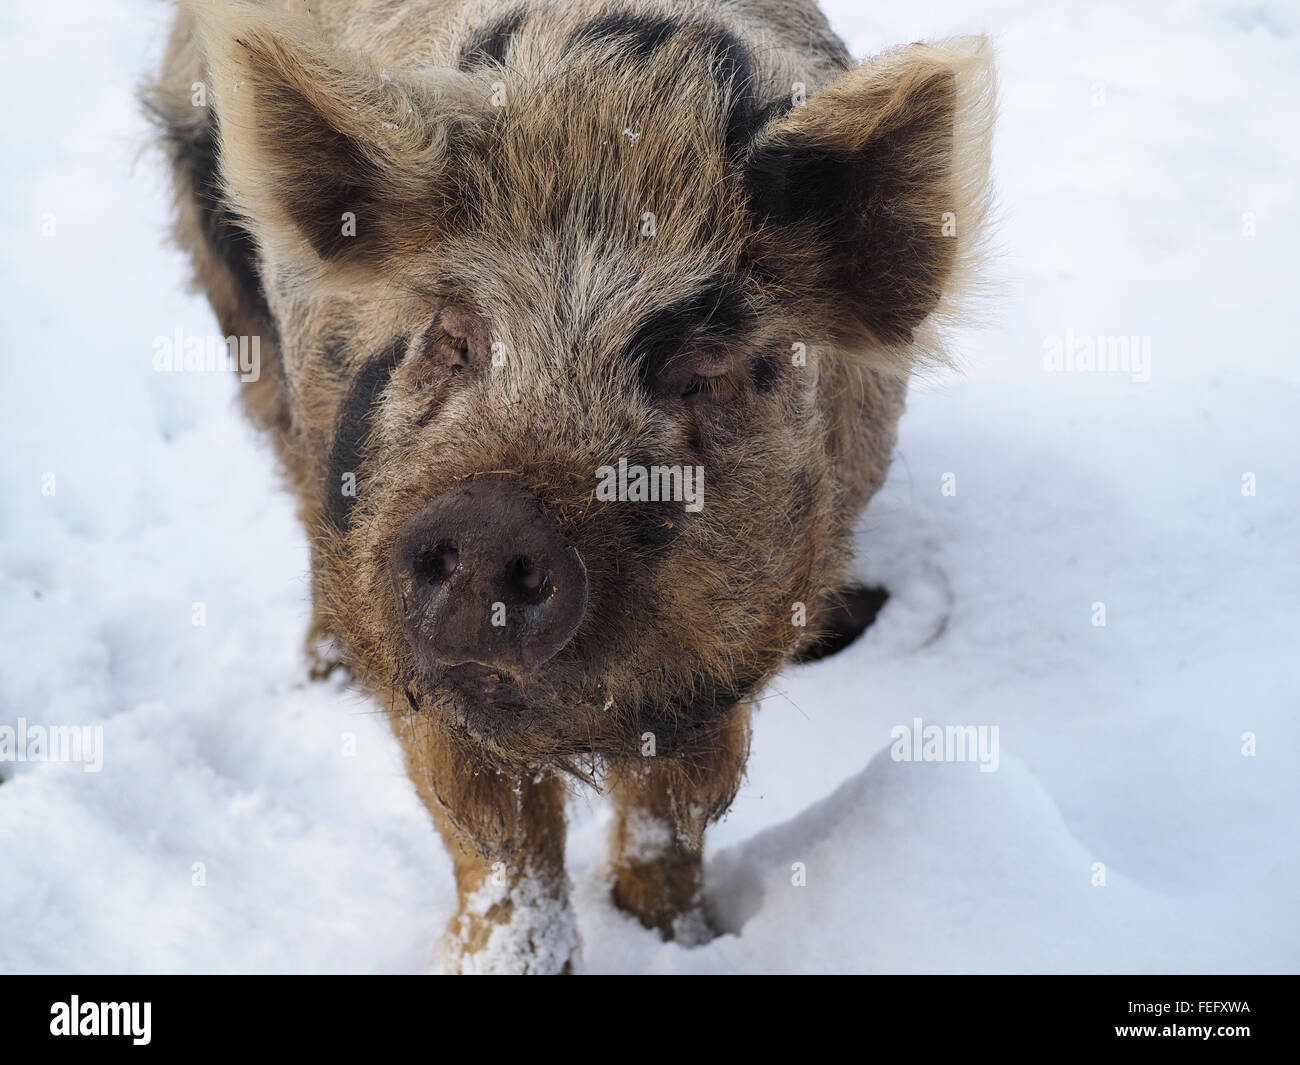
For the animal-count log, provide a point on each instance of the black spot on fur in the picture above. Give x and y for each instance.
(676, 722)
(732, 69)
(717, 313)
(489, 44)
(652, 526)
(198, 156)
(712, 49)
(765, 371)
(352, 428)
(636, 35)
(334, 355)
(761, 116)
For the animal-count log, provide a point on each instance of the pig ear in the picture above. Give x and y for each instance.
(324, 156)
(873, 194)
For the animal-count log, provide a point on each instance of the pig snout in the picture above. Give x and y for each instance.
(482, 575)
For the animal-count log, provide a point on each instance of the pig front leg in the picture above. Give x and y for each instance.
(657, 870)
(505, 834)
(661, 810)
(513, 913)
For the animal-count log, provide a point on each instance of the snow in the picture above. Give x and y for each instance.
(539, 935)
(245, 819)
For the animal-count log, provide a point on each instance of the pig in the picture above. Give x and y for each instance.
(585, 331)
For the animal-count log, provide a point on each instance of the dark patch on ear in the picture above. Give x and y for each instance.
(716, 313)
(352, 428)
(884, 258)
(342, 178)
(638, 35)
(489, 44)
(792, 181)
(847, 618)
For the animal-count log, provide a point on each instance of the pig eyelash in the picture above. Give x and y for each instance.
(708, 387)
(758, 373)
(717, 386)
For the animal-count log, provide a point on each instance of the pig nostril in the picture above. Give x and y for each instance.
(436, 565)
(529, 575)
(528, 580)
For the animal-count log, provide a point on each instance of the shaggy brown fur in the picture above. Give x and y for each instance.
(673, 259)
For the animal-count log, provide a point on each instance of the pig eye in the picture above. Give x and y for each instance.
(707, 376)
(708, 387)
(441, 351)
(453, 343)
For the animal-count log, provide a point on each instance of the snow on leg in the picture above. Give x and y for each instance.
(514, 914)
(663, 807)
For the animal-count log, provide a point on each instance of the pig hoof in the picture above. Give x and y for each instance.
(665, 898)
(694, 927)
(849, 615)
(520, 929)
